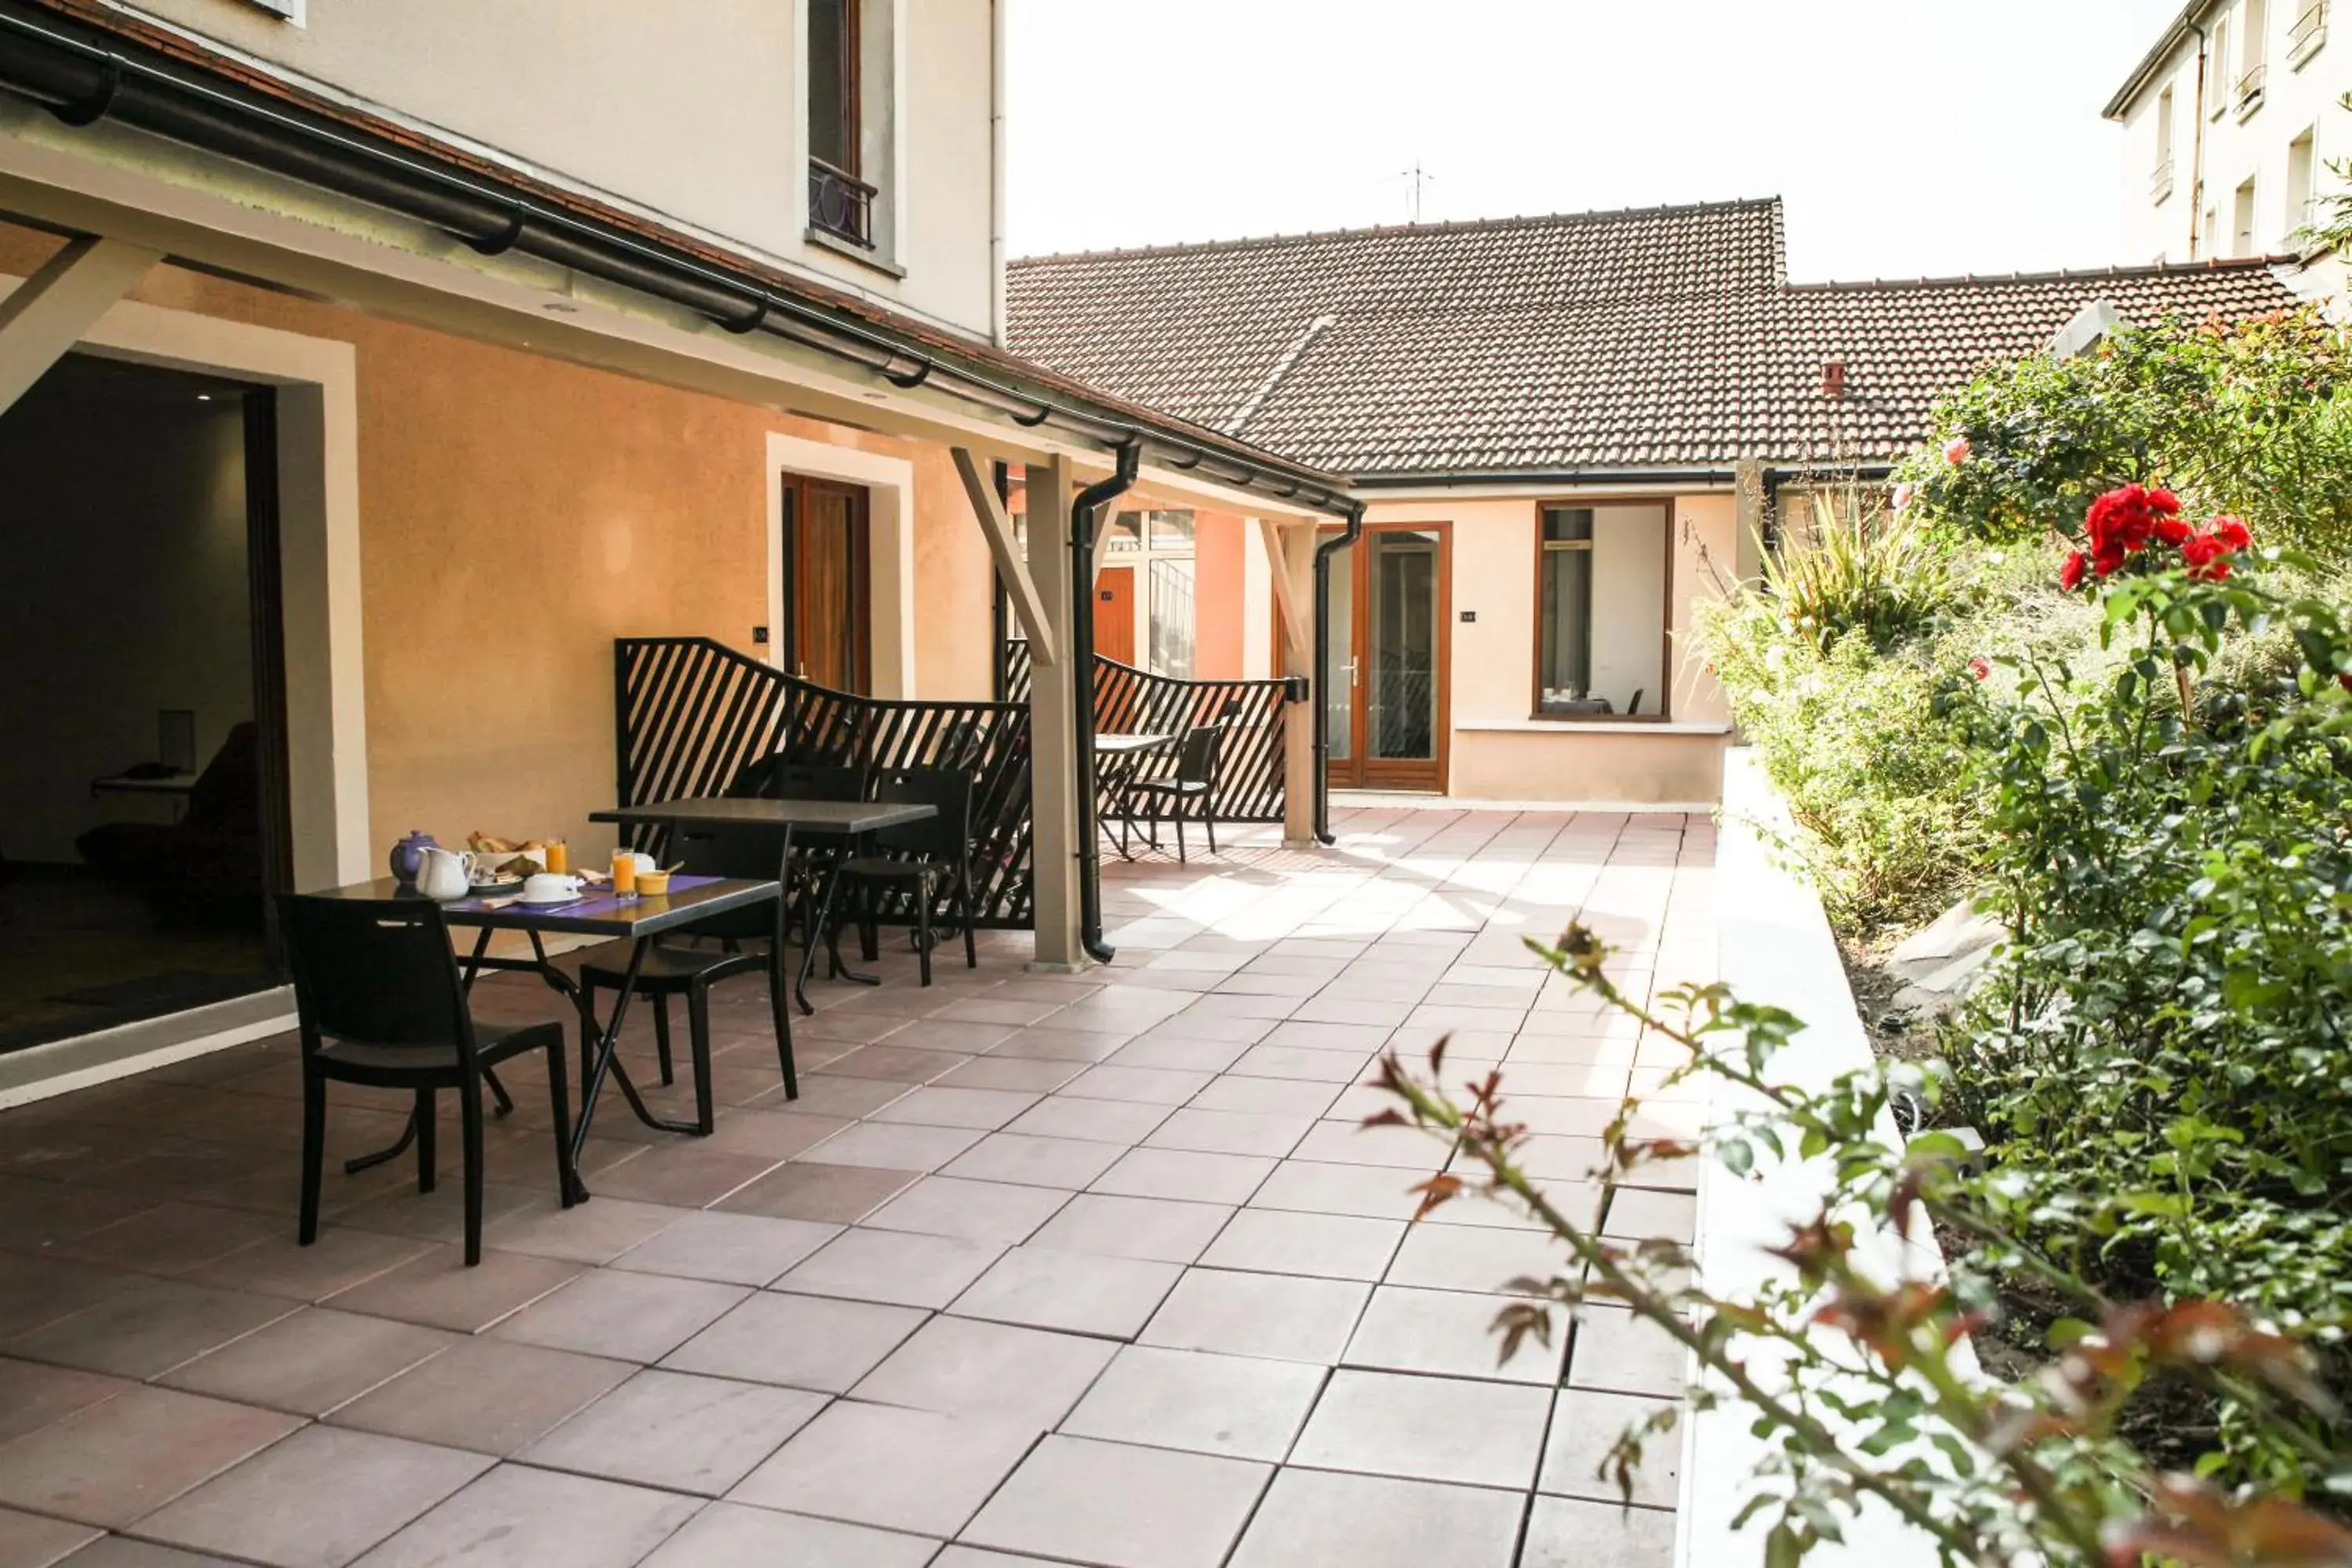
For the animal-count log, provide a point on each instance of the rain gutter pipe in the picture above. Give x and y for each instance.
(1084, 511)
(1353, 510)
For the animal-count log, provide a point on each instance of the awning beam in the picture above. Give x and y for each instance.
(55, 308)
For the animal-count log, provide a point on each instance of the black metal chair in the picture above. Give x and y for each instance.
(1195, 778)
(780, 777)
(670, 970)
(380, 1002)
(917, 858)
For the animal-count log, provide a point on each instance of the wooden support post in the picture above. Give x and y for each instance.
(55, 308)
(1056, 729)
(1020, 587)
(1291, 557)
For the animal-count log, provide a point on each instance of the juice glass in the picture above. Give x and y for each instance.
(624, 873)
(559, 856)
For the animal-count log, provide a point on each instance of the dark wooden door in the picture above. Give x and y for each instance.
(826, 577)
(1115, 613)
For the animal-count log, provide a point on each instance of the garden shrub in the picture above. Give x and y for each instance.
(2160, 1062)
(2245, 417)
(1874, 779)
(1857, 568)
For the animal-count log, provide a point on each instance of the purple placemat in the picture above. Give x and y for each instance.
(588, 906)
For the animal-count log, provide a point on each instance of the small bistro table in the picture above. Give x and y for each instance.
(636, 919)
(1122, 754)
(845, 819)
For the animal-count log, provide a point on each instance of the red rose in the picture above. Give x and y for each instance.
(1979, 670)
(2107, 560)
(2125, 520)
(1957, 450)
(2232, 533)
(2070, 575)
(2204, 555)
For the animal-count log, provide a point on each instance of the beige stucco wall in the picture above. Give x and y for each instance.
(1498, 751)
(692, 112)
(517, 514)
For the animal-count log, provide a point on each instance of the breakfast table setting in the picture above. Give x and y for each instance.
(489, 892)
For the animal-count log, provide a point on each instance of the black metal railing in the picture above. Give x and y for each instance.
(1249, 783)
(840, 204)
(691, 714)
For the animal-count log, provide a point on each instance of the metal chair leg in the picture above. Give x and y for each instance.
(469, 1120)
(661, 1038)
(780, 1004)
(314, 1153)
(427, 1113)
(558, 1099)
(1177, 813)
(923, 928)
(698, 1040)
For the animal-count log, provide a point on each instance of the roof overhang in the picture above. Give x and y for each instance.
(2153, 61)
(106, 131)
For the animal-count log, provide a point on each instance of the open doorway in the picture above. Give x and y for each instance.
(142, 794)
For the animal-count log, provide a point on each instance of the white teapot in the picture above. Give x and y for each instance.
(442, 875)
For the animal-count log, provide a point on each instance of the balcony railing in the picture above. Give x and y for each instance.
(2310, 31)
(840, 204)
(2250, 89)
(2160, 183)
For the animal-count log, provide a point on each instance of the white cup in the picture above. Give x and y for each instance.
(546, 888)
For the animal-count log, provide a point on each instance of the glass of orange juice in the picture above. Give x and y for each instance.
(559, 856)
(624, 873)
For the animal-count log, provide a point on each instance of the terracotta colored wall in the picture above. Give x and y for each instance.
(1218, 541)
(517, 514)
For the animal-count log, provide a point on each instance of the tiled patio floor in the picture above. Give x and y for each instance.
(1094, 1271)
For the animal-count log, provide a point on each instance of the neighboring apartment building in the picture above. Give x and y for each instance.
(1568, 431)
(2230, 123)
(414, 363)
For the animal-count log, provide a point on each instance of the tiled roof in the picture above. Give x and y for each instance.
(1661, 338)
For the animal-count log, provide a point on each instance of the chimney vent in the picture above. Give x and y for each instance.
(1833, 379)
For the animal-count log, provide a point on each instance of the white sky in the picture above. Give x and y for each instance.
(1907, 137)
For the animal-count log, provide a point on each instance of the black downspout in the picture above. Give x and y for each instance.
(1082, 513)
(1321, 698)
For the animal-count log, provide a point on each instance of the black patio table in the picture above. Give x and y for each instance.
(636, 919)
(847, 819)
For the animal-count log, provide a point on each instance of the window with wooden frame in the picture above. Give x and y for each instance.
(1600, 610)
(841, 203)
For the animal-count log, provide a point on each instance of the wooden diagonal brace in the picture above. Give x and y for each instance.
(1298, 620)
(56, 307)
(1010, 569)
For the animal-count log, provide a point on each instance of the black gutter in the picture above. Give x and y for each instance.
(1354, 512)
(1587, 478)
(1542, 476)
(83, 82)
(1082, 513)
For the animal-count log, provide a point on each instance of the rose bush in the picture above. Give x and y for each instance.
(2161, 1064)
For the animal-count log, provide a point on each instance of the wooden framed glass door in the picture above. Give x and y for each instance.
(827, 592)
(1385, 676)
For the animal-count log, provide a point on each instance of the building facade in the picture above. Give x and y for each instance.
(600, 322)
(2231, 124)
(1571, 434)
